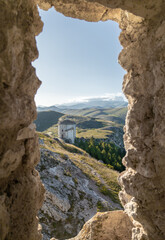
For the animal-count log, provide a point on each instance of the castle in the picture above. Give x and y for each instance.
(67, 130)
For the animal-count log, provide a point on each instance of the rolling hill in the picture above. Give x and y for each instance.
(46, 119)
(88, 127)
(106, 124)
(116, 115)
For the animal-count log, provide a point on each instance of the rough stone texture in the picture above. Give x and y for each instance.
(107, 226)
(143, 58)
(21, 191)
(142, 36)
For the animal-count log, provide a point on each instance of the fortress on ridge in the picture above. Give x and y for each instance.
(67, 130)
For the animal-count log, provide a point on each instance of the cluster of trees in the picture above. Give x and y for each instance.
(109, 153)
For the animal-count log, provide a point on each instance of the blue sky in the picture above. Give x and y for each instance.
(77, 59)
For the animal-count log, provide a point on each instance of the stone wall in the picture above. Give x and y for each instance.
(143, 56)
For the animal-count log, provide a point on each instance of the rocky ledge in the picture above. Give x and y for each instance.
(114, 225)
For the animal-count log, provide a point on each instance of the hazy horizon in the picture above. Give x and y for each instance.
(77, 100)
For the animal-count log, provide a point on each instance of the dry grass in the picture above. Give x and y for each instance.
(104, 177)
(97, 133)
(86, 133)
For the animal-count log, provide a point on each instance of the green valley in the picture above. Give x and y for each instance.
(102, 124)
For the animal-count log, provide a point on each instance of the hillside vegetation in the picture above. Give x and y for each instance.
(109, 153)
(104, 124)
(46, 119)
(88, 127)
(77, 186)
(84, 161)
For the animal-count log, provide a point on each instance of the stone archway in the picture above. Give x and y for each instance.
(142, 36)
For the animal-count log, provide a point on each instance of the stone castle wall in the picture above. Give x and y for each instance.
(67, 132)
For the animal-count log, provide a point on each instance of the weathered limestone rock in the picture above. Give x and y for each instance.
(10, 161)
(27, 132)
(143, 25)
(144, 178)
(4, 219)
(107, 226)
(21, 191)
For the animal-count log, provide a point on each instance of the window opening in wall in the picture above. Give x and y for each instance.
(81, 117)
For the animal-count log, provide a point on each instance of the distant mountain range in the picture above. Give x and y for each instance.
(100, 118)
(102, 123)
(117, 102)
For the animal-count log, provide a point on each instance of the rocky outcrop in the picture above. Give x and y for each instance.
(143, 192)
(144, 86)
(21, 191)
(114, 225)
(72, 197)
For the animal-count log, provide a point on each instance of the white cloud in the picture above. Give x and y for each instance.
(105, 97)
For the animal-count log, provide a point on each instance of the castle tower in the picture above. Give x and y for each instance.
(67, 130)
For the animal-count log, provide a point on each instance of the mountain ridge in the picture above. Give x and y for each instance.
(90, 103)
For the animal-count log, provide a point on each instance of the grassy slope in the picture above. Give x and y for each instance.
(86, 133)
(90, 122)
(47, 119)
(116, 114)
(106, 178)
(97, 133)
(87, 127)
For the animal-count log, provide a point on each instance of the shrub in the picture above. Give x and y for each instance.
(100, 207)
(67, 173)
(64, 156)
(75, 181)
